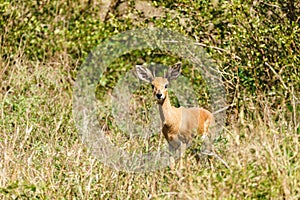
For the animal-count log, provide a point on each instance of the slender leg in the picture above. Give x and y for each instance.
(182, 151)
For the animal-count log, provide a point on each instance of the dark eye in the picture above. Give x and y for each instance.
(166, 86)
(152, 86)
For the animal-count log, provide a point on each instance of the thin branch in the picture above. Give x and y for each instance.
(222, 109)
(219, 49)
(271, 5)
(204, 45)
(210, 153)
(281, 80)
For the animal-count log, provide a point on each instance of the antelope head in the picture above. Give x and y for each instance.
(159, 84)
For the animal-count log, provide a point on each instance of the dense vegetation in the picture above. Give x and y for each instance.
(256, 46)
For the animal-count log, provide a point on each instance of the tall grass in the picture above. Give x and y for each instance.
(42, 157)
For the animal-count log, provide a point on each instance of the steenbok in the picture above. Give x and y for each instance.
(179, 125)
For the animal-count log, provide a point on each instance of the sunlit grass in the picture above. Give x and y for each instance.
(43, 157)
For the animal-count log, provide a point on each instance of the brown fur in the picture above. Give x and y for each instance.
(179, 125)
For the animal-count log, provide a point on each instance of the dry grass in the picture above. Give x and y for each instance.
(42, 157)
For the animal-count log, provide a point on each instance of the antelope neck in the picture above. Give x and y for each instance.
(166, 110)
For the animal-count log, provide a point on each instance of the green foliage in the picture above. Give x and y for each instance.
(255, 45)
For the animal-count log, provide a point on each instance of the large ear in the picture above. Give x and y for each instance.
(173, 72)
(144, 73)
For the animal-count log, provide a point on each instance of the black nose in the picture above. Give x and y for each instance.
(158, 95)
